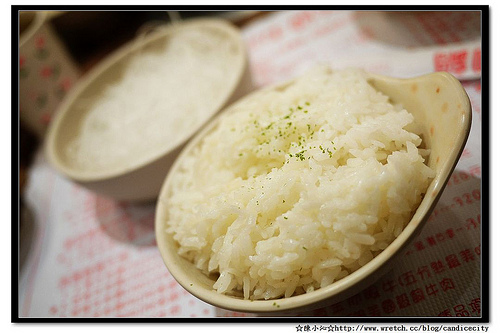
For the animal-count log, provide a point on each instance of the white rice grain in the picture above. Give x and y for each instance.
(299, 186)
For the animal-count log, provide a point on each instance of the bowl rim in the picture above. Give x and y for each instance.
(395, 248)
(37, 20)
(93, 76)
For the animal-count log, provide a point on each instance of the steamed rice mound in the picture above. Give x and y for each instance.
(298, 186)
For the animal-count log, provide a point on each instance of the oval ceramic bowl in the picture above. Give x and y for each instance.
(139, 179)
(441, 109)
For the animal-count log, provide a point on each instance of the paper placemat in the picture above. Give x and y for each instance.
(93, 257)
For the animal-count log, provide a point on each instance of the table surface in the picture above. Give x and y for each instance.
(90, 256)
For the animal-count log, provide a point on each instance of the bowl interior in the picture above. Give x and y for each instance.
(442, 113)
(75, 108)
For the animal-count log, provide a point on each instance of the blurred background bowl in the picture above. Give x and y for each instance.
(138, 179)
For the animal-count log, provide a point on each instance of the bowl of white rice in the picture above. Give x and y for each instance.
(302, 194)
(122, 126)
